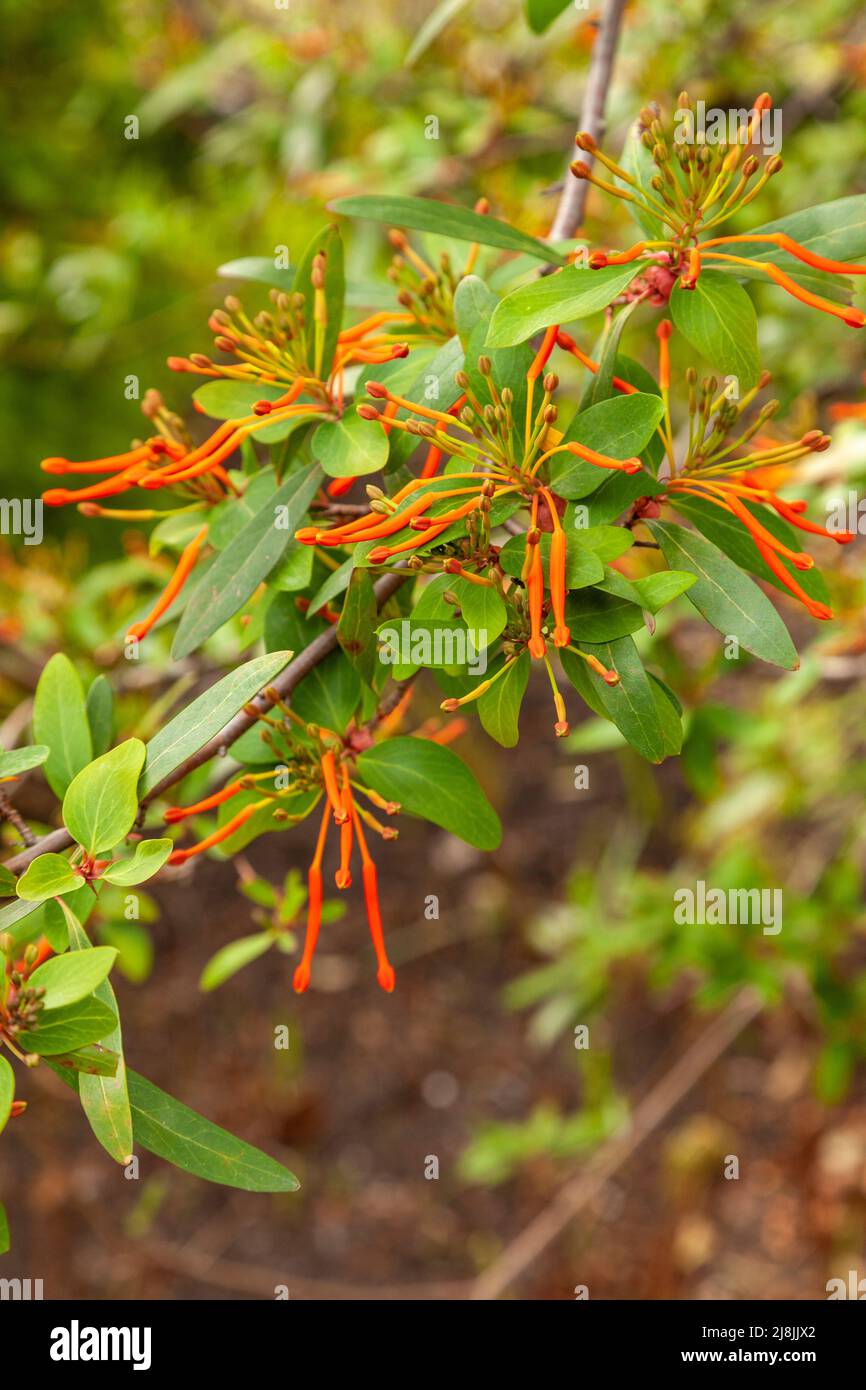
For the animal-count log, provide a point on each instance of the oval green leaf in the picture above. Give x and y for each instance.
(432, 782)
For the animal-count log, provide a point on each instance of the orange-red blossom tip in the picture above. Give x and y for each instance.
(301, 978)
(386, 978)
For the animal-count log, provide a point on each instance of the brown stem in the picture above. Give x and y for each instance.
(572, 203)
(8, 812)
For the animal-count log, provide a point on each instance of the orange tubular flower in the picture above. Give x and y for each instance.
(184, 568)
(583, 451)
(343, 877)
(802, 253)
(537, 644)
(314, 907)
(771, 559)
(180, 856)
(179, 813)
(329, 776)
(688, 196)
(567, 343)
(855, 318)
(384, 971)
(558, 584)
(663, 333)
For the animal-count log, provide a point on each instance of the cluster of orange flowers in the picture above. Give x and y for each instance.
(688, 196)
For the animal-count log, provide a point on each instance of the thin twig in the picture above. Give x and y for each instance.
(572, 203)
(580, 1191)
(15, 818)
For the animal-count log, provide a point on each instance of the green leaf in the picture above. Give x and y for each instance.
(205, 716)
(71, 977)
(606, 542)
(595, 616)
(100, 714)
(573, 293)
(105, 1098)
(718, 318)
(46, 877)
(7, 1091)
(228, 518)
(60, 721)
(670, 717)
(329, 242)
(233, 957)
(540, 14)
(171, 1130)
(149, 857)
(482, 608)
(631, 704)
(19, 760)
(295, 570)
(499, 708)
(336, 583)
(101, 805)
(656, 590)
(4, 1231)
(14, 912)
(65, 1030)
(435, 643)
(27, 921)
(94, 1059)
(350, 447)
(356, 628)
(234, 400)
(246, 561)
(432, 782)
(725, 596)
(599, 386)
(474, 302)
(620, 427)
(427, 215)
